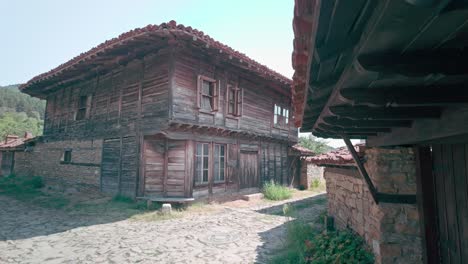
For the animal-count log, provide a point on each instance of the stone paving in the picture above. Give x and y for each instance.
(249, 233)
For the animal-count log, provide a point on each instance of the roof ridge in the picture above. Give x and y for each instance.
(151, 28)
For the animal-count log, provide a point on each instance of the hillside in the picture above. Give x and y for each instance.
(20, 112)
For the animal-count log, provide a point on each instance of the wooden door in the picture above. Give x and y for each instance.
(6, 164)
(110, 166)
(248, 171)
(450, 167)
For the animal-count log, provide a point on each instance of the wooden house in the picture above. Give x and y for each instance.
(393, 72)
(8, 147)
(163, 111)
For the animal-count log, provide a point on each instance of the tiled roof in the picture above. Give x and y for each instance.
(302, 150)
(13, 141)
(339, 156)
(303, 23)
(163, 30)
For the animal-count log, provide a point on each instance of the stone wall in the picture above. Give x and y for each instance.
(47, 160)
(310, 172)
(391, 230)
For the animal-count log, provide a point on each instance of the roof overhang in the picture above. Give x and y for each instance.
(136, 44)
(394, 71)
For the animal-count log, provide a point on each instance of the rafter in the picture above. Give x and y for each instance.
(385, 113)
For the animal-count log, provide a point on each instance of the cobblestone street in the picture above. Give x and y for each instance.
(231, 234)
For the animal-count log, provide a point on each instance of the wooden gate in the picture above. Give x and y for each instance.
(110, 166)
(248, 174)
(6, 163)
(450, 167)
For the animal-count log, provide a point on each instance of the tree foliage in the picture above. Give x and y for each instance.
(316, 145)
(20, 113)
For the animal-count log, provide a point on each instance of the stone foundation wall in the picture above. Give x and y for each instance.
(310, 172)
(47, 160)
(391, 230)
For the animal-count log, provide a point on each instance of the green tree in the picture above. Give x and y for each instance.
(315, 144)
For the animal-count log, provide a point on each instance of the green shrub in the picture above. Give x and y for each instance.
(276, 192)
(315, 184)
(337, 247)
(306, 245)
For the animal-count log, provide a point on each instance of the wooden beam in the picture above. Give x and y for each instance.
(378, 197)
(346, 130)
(408, 96)
(452, 124)
(385, 113)
(350, 123)
(361, 169)
(417, 63)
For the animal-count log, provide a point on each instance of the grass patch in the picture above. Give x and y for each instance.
(318, 186)
(28, 189)
(304, 244)
(276, 192)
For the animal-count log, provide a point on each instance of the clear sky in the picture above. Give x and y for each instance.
(37, 36)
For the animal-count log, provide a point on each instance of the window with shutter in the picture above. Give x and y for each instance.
(208, 94)
(234, 101)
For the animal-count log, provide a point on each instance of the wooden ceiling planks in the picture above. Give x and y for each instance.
(404, 64)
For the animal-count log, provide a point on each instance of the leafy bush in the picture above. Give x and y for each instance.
(315, 184)
(306, 245)
(337, 247)
(276, 192)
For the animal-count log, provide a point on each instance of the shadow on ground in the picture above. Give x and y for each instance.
(21, 220)
(306, 210)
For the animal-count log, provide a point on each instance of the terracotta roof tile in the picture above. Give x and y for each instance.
(13, 141)
(302, 150)
(164, 29)
(339, 156)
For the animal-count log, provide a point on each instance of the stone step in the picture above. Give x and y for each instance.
(251, 197)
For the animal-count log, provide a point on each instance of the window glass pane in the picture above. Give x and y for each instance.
(231, 95)
(275, 119)
(207, 88)
(231, 108)
(198, 170)
(221, 174)
(199, 149)
(205, 175)
(222, 151)
(205, 162)
(206, 103)
(205, 149)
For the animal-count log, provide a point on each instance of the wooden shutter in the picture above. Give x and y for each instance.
(89, 100)
(240, 99)
(216, 92)
(199, 90)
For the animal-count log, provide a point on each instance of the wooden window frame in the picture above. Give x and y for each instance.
(211, 167)
(224, 163)
(237, 100)
(67, 156)
(213, 98)
(82, 111)
(202, 169)
(281, 116)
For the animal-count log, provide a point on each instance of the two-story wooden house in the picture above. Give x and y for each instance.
(162, 111)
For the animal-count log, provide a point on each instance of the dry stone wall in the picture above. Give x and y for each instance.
(391, 230)
(47, 160)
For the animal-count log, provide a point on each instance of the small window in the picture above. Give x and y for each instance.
(202, 163)
(67, 156)
(207, 94)
(234, 101)
(281, 116)
(82, 108)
